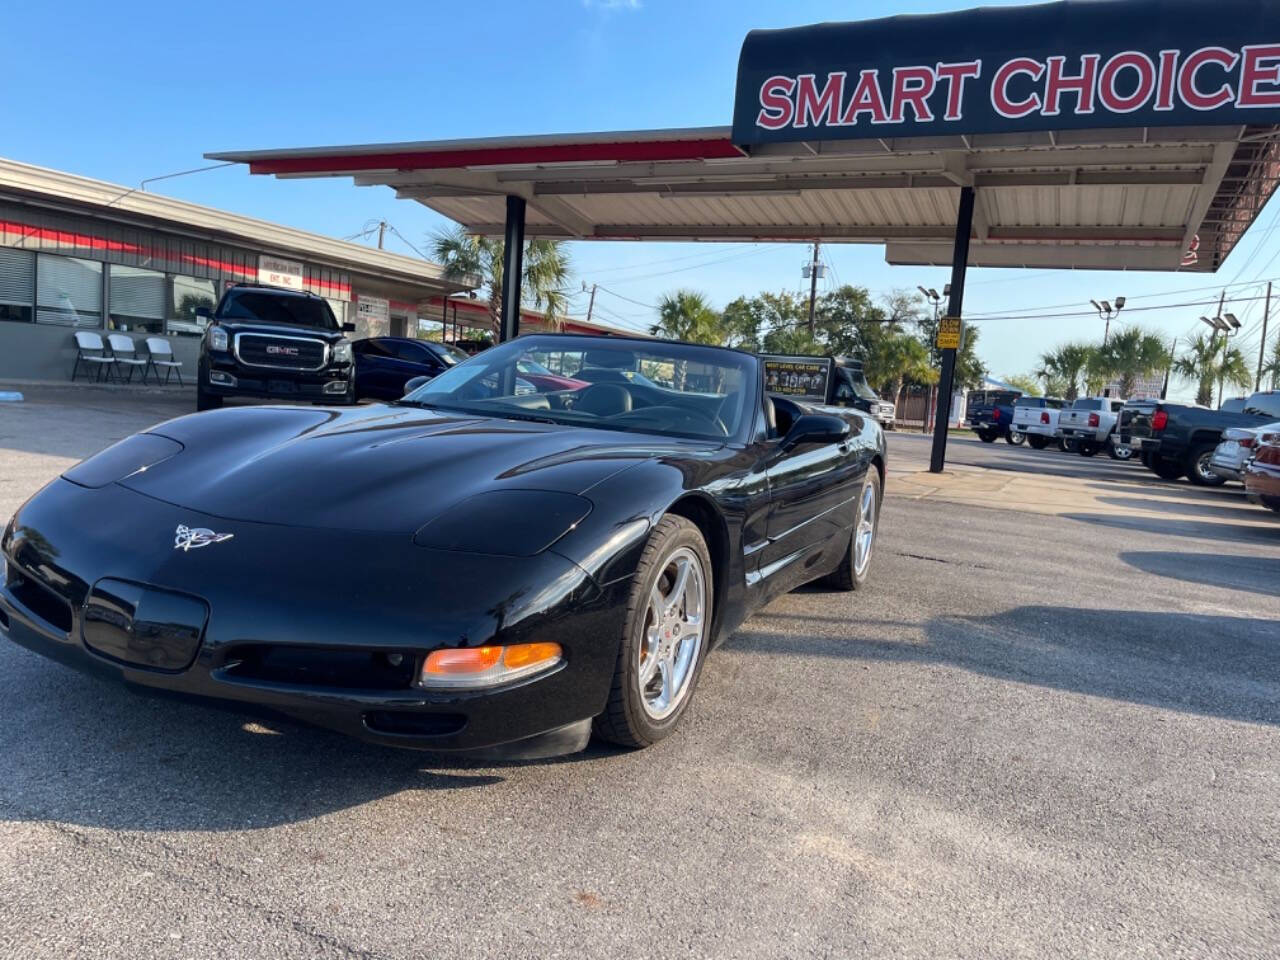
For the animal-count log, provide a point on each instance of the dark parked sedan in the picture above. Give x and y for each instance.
(476, 566)
(385, 364)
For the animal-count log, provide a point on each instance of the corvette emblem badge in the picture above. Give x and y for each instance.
(191, 538)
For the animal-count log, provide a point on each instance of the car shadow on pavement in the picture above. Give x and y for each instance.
(1240, 509)
(1196, 529)
(1216, 666)
(96, 754)
(1170, 488)
(1228, 570)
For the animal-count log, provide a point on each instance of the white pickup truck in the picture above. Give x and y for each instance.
(1088, 425)
(1037, 419)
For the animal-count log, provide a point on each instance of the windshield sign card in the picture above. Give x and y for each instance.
(804, 377)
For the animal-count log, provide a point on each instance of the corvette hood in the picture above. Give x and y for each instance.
(377, 467)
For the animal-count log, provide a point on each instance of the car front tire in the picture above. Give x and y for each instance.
(856, 566)
(206, 401)
(665, 639)
(1038, 443)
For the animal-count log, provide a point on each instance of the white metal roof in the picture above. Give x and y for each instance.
(1142, 198)
(66, 190)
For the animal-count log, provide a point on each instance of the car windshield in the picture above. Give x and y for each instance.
(266, 307)
(857, 381)
(449, 355)
(671, 389)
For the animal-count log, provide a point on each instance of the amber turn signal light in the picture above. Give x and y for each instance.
(488, 666)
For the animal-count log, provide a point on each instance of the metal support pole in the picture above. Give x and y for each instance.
(512, 269)
(955, 304)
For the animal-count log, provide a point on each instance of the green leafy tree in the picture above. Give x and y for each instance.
(687, 315)
(1271, 369)
(1130, 354)
(1024, 382)
(1209, 360)
(1066, 364)
(466, 257)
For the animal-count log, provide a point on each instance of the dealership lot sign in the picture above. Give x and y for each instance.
(1057, 66)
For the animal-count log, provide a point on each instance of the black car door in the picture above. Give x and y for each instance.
(812, 493)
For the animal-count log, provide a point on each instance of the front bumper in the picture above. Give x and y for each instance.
(313, 598)
(227, 377)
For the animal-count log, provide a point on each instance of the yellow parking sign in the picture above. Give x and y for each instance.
(949, 329)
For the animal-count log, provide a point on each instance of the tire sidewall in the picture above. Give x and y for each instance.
(860, 580)
(671, 533)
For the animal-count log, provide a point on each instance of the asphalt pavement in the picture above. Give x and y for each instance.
(1036, 734)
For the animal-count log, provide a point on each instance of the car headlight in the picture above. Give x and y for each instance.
(475, 668)
(218, 339)
(342, 351)
(131, 455)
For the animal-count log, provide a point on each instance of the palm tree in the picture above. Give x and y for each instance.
(686, 315)
(1272, 367)
(1066, 364)
(1132, 353)
(1209, 359)
(466, 257)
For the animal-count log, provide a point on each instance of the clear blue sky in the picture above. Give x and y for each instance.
(125, 92)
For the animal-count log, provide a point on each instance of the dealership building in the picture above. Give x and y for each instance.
(77, 253)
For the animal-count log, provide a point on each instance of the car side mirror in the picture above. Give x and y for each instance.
(413, 384)
(816, 428)
(204, 313)
(348, 328)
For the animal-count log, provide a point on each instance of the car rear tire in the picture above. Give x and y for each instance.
(987, 436)
(1037, 443)
(665, 637)
(1271, 503)
(1119, 452)
(206, 401)
(1167, 469)
(1198, 470)
(856, 566)
(1015, 437)
(1087, 448)
(1068, 445)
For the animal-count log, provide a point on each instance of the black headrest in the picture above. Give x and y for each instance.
(609, 359)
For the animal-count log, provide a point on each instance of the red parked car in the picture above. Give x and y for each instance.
(544, 380)
(1262, 474)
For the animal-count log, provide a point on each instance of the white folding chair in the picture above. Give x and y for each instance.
(125, 351)
(160, 354)
(91, 351)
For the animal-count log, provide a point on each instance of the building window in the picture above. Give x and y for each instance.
(17, 285)
(136, 300)
(189, 294)
(68, 291)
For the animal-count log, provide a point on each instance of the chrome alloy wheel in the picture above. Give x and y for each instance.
(864, 535)
(675, 626)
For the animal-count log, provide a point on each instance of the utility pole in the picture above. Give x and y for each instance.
(591, 304)
(382, 231)
(1164, 389)
(1262, 347)
(813, 285)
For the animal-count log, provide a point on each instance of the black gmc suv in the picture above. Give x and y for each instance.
(275, 344)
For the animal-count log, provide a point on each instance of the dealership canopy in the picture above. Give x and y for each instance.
(1112, 134)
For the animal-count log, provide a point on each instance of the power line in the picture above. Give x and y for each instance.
(651, 306)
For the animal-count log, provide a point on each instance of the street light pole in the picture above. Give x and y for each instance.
(1106, 312)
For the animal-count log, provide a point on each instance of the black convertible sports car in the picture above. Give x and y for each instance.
(472, 567)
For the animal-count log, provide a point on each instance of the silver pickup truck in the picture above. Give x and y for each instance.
(1088, 425)
(1037, 419)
